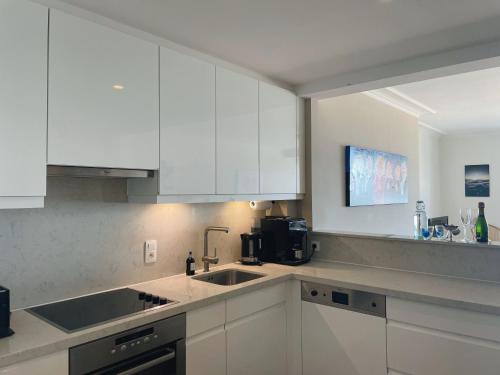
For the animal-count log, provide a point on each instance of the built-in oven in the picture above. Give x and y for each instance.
(156, 348)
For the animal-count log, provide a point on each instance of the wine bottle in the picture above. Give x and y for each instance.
(481, 225)
(190, 265)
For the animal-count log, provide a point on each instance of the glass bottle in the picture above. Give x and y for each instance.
(190, 265)
(420, 221)
(481, 225)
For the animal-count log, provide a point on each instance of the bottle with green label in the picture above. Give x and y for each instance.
(481, 225)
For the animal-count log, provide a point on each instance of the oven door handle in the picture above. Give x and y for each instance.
(145, 366)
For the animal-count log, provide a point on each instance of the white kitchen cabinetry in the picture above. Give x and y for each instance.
(103, 96)
(256, 333)
(23, 103)
(342, 342)
(206, 340)
(277, 140)
(187, 127)
(303, 110)
(431, 339)
(53, 364)
(237, 139)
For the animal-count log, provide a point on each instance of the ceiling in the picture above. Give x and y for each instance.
(299, 41)
(462, 103)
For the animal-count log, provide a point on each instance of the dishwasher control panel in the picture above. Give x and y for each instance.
(343, 298)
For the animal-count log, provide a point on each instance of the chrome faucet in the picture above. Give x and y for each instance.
(207, 260)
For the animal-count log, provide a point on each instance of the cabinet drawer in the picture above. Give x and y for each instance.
(205, 319)
(463, 322)
(206, 353)
(250, 303)
(420, 351)
(53, 364)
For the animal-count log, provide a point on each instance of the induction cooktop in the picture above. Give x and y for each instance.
(84, 312)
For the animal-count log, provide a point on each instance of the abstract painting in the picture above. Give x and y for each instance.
(477, 180)
(375, 177)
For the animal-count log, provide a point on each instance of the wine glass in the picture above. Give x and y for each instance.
(473, 221)
(466, 217)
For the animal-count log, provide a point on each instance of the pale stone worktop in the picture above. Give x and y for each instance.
(35, 337)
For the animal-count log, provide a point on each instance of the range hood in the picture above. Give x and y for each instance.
(88, 172)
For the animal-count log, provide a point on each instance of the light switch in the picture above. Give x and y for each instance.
(150, 251)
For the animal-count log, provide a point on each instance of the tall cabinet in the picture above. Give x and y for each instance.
(187, 125)
(237, 139)
(23, 103)
(103, 96)
(277, 140)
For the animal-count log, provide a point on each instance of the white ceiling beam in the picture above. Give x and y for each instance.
(462, 60)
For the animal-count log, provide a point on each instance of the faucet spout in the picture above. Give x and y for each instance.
(207, 260)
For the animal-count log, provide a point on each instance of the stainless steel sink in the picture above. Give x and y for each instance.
(228, 277)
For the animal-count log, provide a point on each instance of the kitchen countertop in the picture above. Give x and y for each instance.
(35, 338)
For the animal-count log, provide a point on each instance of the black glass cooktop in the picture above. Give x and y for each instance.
(83, 312)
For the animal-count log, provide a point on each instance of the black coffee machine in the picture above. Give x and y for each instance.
(5, 313)
(284, 240)
(250, 249)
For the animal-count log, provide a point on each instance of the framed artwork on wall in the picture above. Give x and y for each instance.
(477, 180)
(375, 177)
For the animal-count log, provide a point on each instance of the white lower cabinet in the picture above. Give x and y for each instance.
(206, 353)
(431, 339)
(53, 364)
(243, 335)
(256, 332)
(257, 344)
(206, 340)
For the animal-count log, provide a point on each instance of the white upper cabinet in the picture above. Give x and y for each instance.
(187, 125)
(103, 96)
(23, 103)
(278, 140)
(237, 133)
(301, 145)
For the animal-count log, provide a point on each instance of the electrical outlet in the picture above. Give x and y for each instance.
(315, 245)
(150, 251)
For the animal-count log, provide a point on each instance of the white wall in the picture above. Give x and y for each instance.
(362, 121)
(430, 171)
(458, 151)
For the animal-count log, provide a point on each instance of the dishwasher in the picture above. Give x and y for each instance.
(156, 348)
(343, 331)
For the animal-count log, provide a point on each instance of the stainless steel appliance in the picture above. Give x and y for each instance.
(5, 330)
(83, 312)
(250, 248)
(156, 348)
(343, 329)
(284, 240)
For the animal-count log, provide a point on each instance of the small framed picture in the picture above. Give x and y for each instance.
(477, 180)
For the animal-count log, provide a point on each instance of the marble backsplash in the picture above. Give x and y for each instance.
(88, 239)
(471, 261)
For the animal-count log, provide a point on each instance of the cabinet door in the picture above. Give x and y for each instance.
(301, 145)
(103, 96)
(206, 353)
(342, 342)
(237, 133)
(53, 364)
(278, 140)
(187, 125)
(257, 344)
(23, 100)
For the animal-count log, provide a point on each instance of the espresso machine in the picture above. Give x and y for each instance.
(284, 240)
